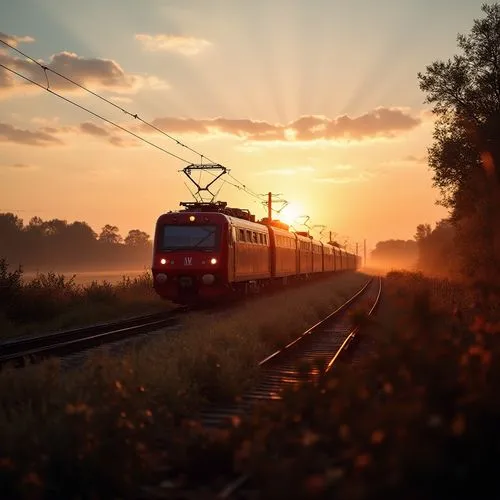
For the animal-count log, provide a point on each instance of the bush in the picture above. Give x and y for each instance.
(10, 283)
(100, 292)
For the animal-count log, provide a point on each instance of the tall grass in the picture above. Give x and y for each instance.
(51, 301)
(94, 433)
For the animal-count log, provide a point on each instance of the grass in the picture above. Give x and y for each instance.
(418, 418)
(51, 302)
(94, 433)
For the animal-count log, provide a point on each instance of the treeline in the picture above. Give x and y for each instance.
(58, 245)
(432, 251)
(395, 254)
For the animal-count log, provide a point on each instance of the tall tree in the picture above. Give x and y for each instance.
(137, 238)
(110, 234)
(465, 155)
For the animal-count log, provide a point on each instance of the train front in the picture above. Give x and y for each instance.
(190, 257)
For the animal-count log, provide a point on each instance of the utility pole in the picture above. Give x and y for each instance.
(356, 249)
(269, 207)
(364, 244)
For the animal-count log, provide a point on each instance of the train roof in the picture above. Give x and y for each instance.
(234, 217)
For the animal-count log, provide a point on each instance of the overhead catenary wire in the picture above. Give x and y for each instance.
(237, 183)
(46, 69)
(95, 114)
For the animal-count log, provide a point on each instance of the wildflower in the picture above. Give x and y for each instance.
(363, 460)
(309, 438)
(377, 436)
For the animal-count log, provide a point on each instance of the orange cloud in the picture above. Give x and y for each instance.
(9, 133)
(19, 166)
(186, 45)
(381, 122)
(51, 135)
(100, 74)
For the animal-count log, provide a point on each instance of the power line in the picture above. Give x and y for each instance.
(237, 183)
(108, 101)
(94, 114)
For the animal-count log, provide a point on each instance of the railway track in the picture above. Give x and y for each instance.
(35, 348)
(319, 348)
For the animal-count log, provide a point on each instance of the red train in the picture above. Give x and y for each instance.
(208, 251)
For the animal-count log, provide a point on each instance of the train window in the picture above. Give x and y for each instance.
(193, 236)
(249, 236)
(241, 234)
(261, 238)
(265, 239)
(254, 235)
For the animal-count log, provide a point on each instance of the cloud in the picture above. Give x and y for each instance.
(415, 159)
(91, 129)
(406, 161)
(20, 166)
(381, 122)
(186, 45)
(50, 135)
(42, 137)
(15, 40)
(98, 74)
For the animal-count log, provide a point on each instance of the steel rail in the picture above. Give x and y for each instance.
(234, 486)
(65, 342)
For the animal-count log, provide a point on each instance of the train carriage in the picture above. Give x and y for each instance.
(251, 243)
(328, 258)
(304, 254)
(317, 256)
(284, 255)
(338, 259)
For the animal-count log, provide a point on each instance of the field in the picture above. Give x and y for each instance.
(60, 432)
(416, 418)
(51, 302)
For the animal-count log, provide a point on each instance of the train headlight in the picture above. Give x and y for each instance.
(213, 260)
(163, 261)
(161, 278)
(208, 279)
(192, 218)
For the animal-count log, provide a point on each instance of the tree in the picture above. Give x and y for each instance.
(109, 234)
(137, 238)
(435, 248)
(465, 155)
(395, 253)
(423, 232)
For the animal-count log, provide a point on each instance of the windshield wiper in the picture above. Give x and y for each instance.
(204, 239)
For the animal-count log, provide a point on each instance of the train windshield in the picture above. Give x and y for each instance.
(187, 237)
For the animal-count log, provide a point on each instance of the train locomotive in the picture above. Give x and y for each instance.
(208, 251)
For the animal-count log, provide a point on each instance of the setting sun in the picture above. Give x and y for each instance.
(290, 214)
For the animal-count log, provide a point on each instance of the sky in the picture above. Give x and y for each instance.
(317, 100)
